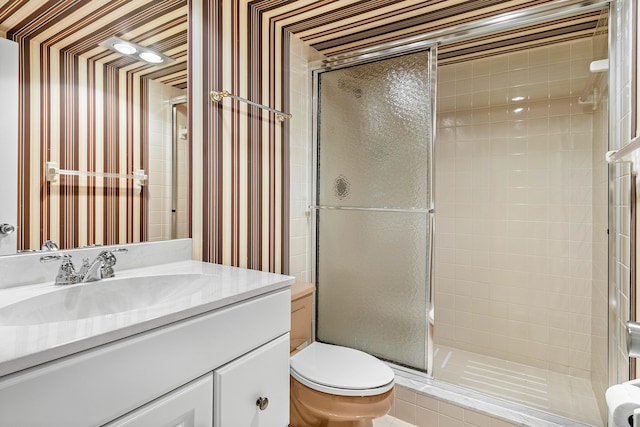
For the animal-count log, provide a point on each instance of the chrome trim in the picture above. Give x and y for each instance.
(315, 193)
(370, 209)
(632, 280)
(495, 24)
(431, 147)
(613, 341)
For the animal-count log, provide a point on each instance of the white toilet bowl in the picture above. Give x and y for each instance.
(338, 386)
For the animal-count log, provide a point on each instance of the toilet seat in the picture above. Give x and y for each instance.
(341, 371)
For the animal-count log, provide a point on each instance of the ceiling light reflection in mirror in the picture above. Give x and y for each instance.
(133, 50)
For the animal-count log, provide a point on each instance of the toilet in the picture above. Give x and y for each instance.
(331, 385)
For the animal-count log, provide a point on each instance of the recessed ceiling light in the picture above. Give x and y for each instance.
(125, 48)
(151, 57)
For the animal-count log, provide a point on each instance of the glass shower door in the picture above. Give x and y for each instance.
(373, 195)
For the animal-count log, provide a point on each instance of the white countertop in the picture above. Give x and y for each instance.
(23, 347)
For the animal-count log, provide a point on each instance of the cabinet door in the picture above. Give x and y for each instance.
(188, 406)
(239, 385)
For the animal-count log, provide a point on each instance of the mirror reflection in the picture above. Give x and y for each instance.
(91, 104)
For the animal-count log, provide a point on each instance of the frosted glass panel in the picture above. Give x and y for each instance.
(371, 283)
(373, 152)
(374, 123)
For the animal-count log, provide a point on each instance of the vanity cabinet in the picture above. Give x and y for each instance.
(231, 356)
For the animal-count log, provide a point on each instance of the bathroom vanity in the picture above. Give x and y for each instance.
(213, 350)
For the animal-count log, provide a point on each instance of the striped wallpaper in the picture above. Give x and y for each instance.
(241, 155)
(245, 152)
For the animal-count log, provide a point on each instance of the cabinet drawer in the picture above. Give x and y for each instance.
(262, 373)
(188, 406)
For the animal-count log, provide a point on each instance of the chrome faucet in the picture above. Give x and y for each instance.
(100, 268)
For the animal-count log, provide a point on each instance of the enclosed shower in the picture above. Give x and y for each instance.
(461, 216)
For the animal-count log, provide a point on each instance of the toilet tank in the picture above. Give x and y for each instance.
(301, 310)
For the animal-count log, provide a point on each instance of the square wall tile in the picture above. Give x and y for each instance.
(516, 202)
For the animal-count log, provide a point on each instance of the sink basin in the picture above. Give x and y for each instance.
(105, 297)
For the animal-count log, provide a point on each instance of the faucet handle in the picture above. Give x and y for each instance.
(49, 258)
(67, 274)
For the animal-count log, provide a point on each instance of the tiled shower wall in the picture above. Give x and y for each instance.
(514, 195)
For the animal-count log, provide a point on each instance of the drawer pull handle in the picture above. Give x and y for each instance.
(262, 403)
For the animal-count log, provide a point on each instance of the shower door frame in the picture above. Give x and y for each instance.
(429, 211)
(431, 41)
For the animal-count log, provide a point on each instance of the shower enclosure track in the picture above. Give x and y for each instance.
(370, 209)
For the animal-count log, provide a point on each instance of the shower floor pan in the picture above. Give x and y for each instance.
(545, 390)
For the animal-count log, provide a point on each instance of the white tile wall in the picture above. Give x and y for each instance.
(302, 56)
(514, 208)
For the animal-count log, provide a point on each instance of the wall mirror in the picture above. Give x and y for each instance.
(85, 107)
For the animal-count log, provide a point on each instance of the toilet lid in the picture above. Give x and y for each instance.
(341, 371)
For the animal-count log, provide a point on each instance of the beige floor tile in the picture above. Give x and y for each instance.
(389, 421)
